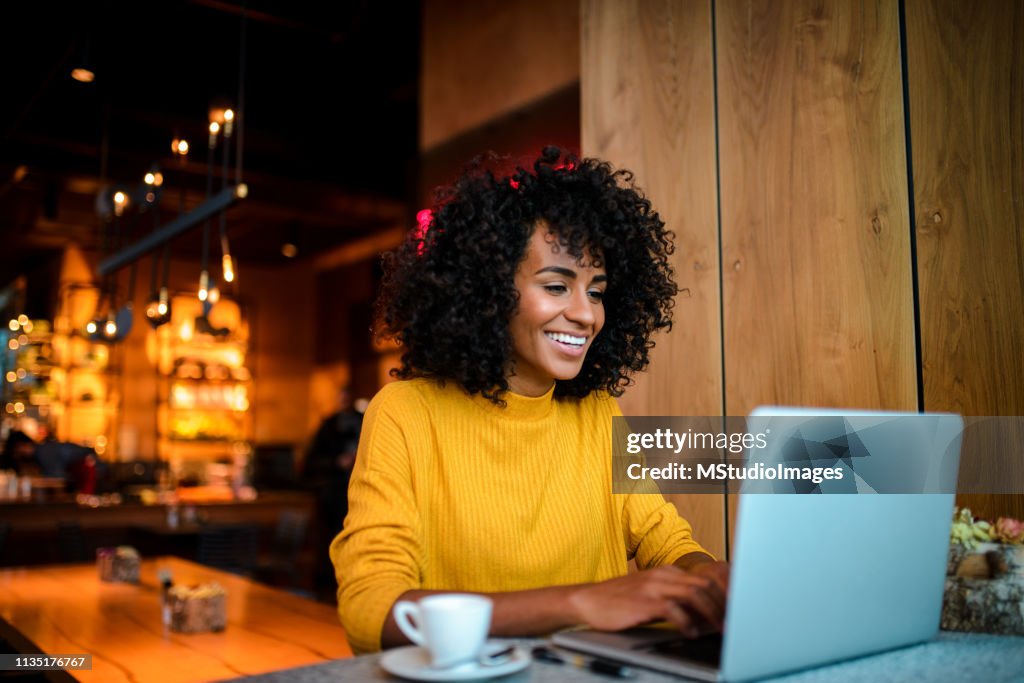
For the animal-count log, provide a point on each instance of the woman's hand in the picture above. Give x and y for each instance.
(693, 600)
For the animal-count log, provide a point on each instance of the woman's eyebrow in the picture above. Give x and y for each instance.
(567, 272)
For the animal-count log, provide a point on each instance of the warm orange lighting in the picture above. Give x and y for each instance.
(158, 178)
(229, 268)
(241, 190)
(11, 377)
(13, 344)
(90, 327)
(10, 407)
(161, 308)
(19, 407)
(229, 115)
(289, 250)
(83, 75)
(23, 339)
(13, 325)
(110, 329)
(27, 326)
(179, 146)
(149, 178)
(23, 320)
(150, 197)
(21, 374)
(214, 127)
(214, 295)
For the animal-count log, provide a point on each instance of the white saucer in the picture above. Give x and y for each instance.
(413, 662)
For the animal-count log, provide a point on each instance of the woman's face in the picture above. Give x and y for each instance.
(560, 312)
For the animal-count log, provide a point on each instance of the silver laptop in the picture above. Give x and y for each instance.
(822, 578)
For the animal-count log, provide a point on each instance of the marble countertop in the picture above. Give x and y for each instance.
(952, 658)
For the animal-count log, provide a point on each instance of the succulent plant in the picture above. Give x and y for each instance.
(967, 531)
(1008, 530)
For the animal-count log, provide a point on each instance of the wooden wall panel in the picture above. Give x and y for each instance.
(648, 105)
(818, 306)
(483, 59)
(965, 66)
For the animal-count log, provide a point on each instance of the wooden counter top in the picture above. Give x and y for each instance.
(68, 610)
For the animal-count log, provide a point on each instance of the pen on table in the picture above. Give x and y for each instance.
(595, 664)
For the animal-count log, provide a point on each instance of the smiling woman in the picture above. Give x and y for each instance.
(523, 305)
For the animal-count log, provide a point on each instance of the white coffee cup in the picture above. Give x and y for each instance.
(453, 627)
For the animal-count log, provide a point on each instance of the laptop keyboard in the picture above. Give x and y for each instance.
(706, 649)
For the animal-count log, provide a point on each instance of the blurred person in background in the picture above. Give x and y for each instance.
(19, 454)
(327, 470)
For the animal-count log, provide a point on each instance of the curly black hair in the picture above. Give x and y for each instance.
(447, 294)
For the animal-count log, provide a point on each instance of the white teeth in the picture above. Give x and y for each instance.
(566, 338)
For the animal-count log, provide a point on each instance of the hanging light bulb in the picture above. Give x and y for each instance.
(90, 327)
(82, 68)
(110, 329)
(179, 146)
(120, 202)
(158, 310)
(228, 266)
(214, 129)
(229, 120)
(162, 307)
(204, 286)
(13, 325)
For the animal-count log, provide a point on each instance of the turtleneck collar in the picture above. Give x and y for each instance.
(519, 407)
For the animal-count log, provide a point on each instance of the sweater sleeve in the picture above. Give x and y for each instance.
(654, 532)
(378, 556)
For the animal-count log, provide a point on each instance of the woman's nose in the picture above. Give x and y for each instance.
(580, 308)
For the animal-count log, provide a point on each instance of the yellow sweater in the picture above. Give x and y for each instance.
(451, 492)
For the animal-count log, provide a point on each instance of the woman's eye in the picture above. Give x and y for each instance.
(596, 294)
(555, 289)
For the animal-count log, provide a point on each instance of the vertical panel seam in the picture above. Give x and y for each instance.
(718, 219)
(911, 208)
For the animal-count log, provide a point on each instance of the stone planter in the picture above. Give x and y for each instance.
(985, 589)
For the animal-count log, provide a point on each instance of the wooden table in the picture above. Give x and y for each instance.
(68, 610)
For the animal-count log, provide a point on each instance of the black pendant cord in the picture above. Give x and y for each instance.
(129, 301)
(165, 282)
(103, 249)
(167, 267)
(223, 218)
(205, 262)
(110, 283)
(155, 259)
(240, 110)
